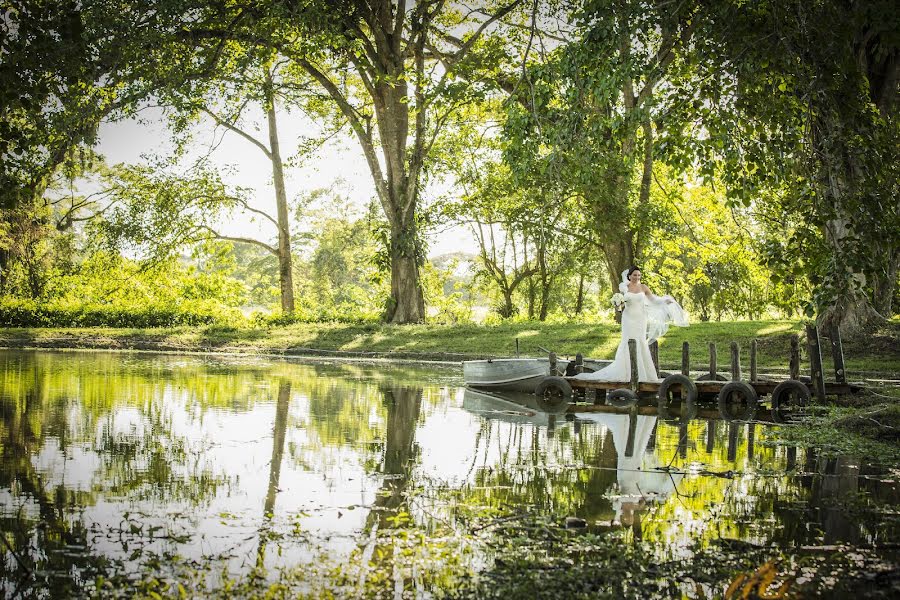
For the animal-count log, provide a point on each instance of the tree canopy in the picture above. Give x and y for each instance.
(743, 152)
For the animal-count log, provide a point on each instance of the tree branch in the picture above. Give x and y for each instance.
(467, 45)
(241, 240)
(247, 207)
(238, 131)
(364, 135)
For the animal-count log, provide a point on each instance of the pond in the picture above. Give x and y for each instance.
(136, 473)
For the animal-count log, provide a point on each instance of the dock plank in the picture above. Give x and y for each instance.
(763, 388)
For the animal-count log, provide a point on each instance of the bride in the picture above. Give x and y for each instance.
(644, 319)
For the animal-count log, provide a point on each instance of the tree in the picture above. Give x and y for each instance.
(798, 102)
(69, 66)
(586, 119)
(394, 73)
(224, 99)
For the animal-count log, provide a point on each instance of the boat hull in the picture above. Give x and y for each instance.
(514, 374)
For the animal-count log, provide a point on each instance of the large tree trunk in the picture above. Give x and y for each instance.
(407, 302)
(399, 192)
(884, 286)
(285, 266)
(851, 310)
(619, 256)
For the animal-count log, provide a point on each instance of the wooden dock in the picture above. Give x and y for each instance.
(763, 388)
(738, 396)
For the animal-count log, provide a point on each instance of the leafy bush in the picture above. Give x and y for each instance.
(338, 314)
(28, 313)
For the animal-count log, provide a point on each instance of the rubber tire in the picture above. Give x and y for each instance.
(552, 392)
(745, 390)
(688, 413)
(688, 388)
(621, 398)
(689, 410)
(706, 377)
(779, 393)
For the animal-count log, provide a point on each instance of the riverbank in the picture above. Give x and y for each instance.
(879, 353)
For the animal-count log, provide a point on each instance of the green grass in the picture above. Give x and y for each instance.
(879, 353)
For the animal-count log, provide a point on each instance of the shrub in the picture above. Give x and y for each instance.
(321, 315)
(28, 313)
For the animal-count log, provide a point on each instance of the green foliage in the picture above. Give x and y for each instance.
(336, 278)
(448, 306)
(561, 176)
(709, 256)
(812, 152)
(28, 313)
(155, 212)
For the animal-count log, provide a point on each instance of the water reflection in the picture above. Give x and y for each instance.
(110, 461)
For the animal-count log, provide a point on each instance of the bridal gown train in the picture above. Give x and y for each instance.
(634, 326)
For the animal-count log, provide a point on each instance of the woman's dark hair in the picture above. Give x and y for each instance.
(632, 270)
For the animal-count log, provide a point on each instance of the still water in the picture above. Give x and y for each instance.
(120, 465)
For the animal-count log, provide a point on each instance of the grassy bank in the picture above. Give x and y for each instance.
(879, 353)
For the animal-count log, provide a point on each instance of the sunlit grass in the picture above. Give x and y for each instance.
(776, 328)
(455, 342)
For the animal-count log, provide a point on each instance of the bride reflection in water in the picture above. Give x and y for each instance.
(645, 318)
(637, 480)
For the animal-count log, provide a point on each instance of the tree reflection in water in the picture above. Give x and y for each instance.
(105, 456)
(279, 429)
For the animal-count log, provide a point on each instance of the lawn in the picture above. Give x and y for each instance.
(879, 353)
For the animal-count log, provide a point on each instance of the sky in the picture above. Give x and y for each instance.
(242, 164)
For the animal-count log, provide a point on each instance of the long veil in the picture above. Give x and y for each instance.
(660, 312)
(623, 286)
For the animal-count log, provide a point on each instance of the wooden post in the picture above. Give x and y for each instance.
(599, 396)
(791, 460)
(654, 354)
(632, 355)
(751, 439)
(682, 437)
(713, 367)
(632, 429)
(651, 443)
(580, 393)
(710, 436)
(517, 347)
(553, 363)
(735, 362)
(686, 358)
(815, 361)
(753, 374)
(837, 353)
(795, 357)
(732, 441)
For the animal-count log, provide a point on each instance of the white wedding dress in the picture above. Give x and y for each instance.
(634, 326)
(636, 476)
(643, 320)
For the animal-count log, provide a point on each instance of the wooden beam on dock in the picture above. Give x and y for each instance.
(837, 353)
(753, 374)
(794, 368)
(632, 355)
(735, 362)
(762, 388)
(815, 362)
